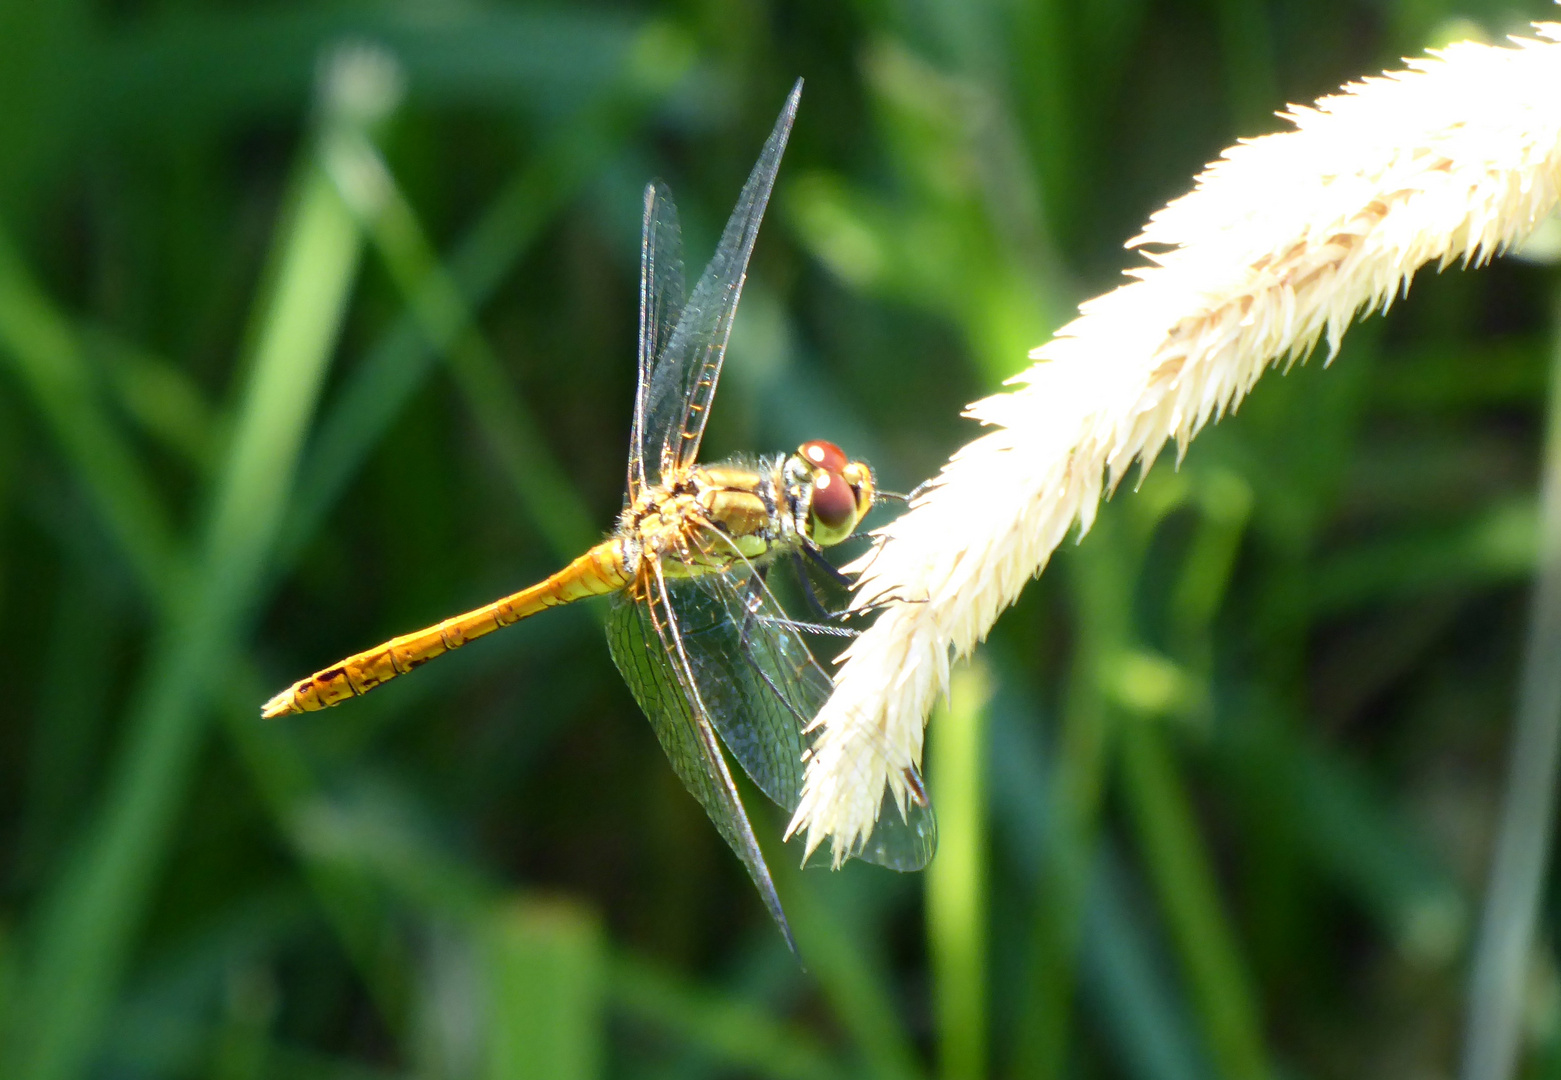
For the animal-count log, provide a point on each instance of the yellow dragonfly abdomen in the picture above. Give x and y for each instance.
(712, 517)
(600, 570)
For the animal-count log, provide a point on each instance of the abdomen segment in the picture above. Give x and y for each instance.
(598, 571)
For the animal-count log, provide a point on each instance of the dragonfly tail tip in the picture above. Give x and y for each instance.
(279, 705)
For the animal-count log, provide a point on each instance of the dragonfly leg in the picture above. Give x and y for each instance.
(844, 582)
(744, 642)
(829, 568)
(756, 591)
(819, 629)
(808, 591)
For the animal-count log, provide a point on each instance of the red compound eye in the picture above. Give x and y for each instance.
(823, 455)
(834, 503)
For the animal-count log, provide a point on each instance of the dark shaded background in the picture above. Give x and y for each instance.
(286, 370)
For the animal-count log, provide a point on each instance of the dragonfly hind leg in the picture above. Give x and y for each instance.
(756, 588)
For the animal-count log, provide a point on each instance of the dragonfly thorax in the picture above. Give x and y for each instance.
(712, 517)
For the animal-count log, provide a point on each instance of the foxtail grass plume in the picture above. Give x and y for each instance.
(1284, 241)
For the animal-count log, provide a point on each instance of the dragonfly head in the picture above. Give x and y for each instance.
(838, 492)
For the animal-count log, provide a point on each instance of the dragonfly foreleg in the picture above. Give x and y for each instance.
(829, 569)
(808, 592)
(879, 600)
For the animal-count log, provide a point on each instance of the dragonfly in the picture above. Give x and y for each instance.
(705, 647)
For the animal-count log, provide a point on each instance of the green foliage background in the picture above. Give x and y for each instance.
(280, 377)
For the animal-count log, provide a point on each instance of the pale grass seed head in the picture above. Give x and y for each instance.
(1285, 240)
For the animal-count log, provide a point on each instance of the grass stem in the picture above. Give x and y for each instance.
(1505, 939)
(957, 925)
(88, 922)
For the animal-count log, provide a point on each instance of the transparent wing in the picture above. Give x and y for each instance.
(905, 838)
(758, 682)
(646, 646)
(675, 399)
(661, 304)
(762, 686)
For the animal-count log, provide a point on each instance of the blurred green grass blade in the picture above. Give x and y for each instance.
(1167, 829)
(302, 321)
(1504, 944)
(720, 1025)
(366, 184)
(1350, 835)
(46, 356)
(161, 398)
(546, 963)
(9, 980)
(1047, 92)
(350, 898)
(87, 922)
(277, 767)
(1189, 898)
(1048, 1013)
(1145, 1020)
(378, 389)
(1431, 378)
(855, 982)
(41, 59)
(1125, 976)
(957, 926)
(71, 715)
(1101, 592)
(368, 838)
(1495, 545)
(264, 61)
(1225, 501)
(1251, 80)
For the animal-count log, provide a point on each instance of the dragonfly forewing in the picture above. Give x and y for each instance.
(676, 398)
